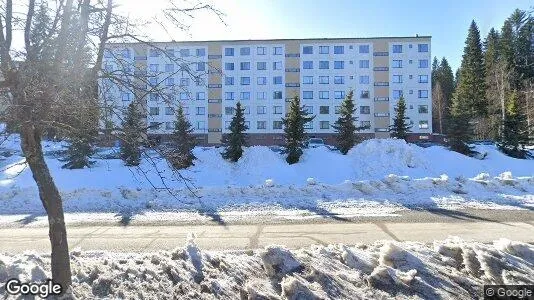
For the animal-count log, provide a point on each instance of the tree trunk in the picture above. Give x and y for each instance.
(49, 194)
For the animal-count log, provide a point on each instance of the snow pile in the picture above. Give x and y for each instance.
(401, 270)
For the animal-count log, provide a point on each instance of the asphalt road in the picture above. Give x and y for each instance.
(424, 226)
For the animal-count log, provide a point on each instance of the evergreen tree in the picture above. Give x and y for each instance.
(181, 155)
(79, 152)
(236, 139)
(459, 130)
(471, 87)
(295, 135)
(435, 70)
(132, 135)
(401, 125)
(345, 125)
(515, 135)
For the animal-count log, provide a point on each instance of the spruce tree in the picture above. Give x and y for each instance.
(295, 135)
(181, 155)
(132, 136)
(459, 131)
(236, 139)
(515, 135)
(401, 125)
(345, 125)
(79, 152)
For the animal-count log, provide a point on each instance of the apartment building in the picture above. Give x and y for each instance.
(207, 78)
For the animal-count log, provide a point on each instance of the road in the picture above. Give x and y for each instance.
(514, 225)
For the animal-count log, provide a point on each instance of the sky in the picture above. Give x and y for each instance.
(446, 21)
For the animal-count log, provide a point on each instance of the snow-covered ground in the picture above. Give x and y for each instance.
(449, 269)
(377, 177)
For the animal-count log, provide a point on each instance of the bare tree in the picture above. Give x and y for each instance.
(52, 85)
(439, 107)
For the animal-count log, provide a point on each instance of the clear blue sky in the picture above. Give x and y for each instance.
(446, 21)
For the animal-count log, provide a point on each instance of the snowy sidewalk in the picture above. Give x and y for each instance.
(154, 238)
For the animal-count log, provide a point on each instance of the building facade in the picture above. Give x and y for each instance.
(207, 78)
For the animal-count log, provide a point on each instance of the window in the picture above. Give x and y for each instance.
(261, 80)
(423, 93)
(364, 64)
(364, 95)
(323, 49)
(201, 125)
(397, 78)
(245, 65)
(397, 94)
(246, 110)
(422, 47)
(277, 65)
(261, 50)
(169, 81)
(365, 110)
(324, 124)
(184, 52)
(201, 110)
(423, 63)
(245, 80)
(229, 66)
(308, 125)
(277, 95)
(245, 96)
(397, 63)
(423, 124)
(337, 110)
(364, 79)
(184, 81)
(229, 51)
(229, 110)
(423, 78)
(363, 48)
(229, 95)
(169, 125)
(169, 68)
(339, 79)
(261, 110)
(261, 65)
(201, 96)
(154, 111)
(323, 94)
(201, 66)
(184, 96)
(153, 52)
(227, 124)
(307, 95)
(323, 79)
(307, 64)
(277, 124)
(186, 110)
(277, 50)
(154, 97)
(125, 96)
(261, 125)
(277, 110)
(339, 64)
(308, 110)
(169, 111)
(229, 80)
(201, 52)
(261, 95)
(397, 48)
(154, 125)
(244, 51)
(423, 109)
(365, 124)
(153, 67)
(277, 80)
(339, 49)
(339, 94)
(307, 50)
(324, 64)
(153, 81)
(324, 110)
(307, 79)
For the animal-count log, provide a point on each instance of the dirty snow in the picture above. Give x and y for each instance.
(450, 269)
(377, 177)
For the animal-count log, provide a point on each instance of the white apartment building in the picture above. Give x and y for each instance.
(207, 78)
